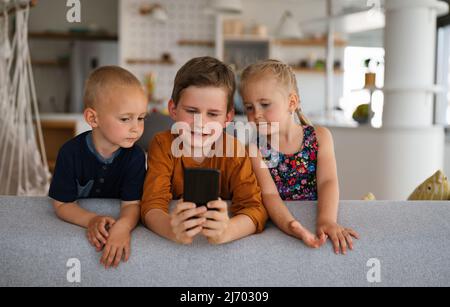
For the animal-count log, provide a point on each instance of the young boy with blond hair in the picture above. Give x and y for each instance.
(203, 94)
(105, 162)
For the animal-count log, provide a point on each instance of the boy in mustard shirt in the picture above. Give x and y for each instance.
(204, 88)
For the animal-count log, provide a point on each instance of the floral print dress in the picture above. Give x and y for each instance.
(294, 174)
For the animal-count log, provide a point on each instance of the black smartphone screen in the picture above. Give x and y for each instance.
(201, 185)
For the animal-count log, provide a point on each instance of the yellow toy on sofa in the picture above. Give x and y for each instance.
(436, 187)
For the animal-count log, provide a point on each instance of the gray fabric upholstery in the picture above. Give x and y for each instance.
(411, 240)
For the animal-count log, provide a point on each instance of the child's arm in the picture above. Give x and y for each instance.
(118, 244)
(97, 233)
(129, 215)
(72, 213)
(328, 194)
(278, 211)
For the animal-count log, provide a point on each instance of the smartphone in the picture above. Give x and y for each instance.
(201, 185)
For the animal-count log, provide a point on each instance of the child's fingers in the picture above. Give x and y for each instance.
(217, 204)
(335, 241)
(213, 225)
(192, 223)
(186, 215)
(88, 236)
(95, 241)
(343, 243)
(127, 253)
(210, 233)
(193, 232)
(99, 236)
(183, 207)
(322, 239)
(111, 256)
(110, 221)
(102, 228)
(307, 237)
(105, 255)
(349, 239)
(353, 233)
(320, 233)
(215, 215)
(118, 257)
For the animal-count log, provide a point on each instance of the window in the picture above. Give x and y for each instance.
(354, 81)
(442, 113)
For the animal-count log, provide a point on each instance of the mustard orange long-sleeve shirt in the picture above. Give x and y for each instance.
(164, 179)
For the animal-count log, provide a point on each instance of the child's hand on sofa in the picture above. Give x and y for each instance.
(117, 246)
(97, 232)
(217, 221)
(340, 237)
(186, 221)
(306, 236)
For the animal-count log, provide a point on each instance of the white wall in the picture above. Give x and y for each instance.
(374, 160)
(447, 157)
(269, 12)
(143, 37)
(51, 15)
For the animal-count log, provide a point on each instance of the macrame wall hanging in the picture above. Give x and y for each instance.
(23, 162)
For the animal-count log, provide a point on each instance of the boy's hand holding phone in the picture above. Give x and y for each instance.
(203, 212)
(217, 221)
(186, 221)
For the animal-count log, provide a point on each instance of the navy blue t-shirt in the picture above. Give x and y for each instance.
(81, 172)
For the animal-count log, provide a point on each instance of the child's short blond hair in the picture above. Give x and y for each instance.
(283, 74)
(103, 77)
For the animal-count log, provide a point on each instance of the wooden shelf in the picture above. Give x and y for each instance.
(246, 38)
(73, 36)
(149, 61)
(369, 88)
(301, 70)
(312, 42)
(50, 63)
(199, 43)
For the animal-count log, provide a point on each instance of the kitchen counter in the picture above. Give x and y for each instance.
(409, 241)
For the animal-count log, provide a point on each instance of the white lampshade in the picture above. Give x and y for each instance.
(156, 11)
(224, 7)
(160, 14)
(289, 27)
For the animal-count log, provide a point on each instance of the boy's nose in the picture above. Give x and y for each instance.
(199, 121)
(135, 126)
(258, 114)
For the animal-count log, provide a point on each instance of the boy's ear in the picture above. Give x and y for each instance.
(229, 117)
(90, 116)
(172, 109)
